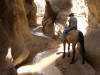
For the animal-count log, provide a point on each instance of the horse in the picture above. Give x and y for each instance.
(74, 36)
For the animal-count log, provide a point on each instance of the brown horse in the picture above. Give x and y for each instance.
(74, 36)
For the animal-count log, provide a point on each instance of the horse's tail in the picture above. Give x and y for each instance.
(81, 41)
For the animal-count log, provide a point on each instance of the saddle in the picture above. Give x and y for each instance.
(74, 28)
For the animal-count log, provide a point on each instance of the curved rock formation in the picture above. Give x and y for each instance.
(21, 36)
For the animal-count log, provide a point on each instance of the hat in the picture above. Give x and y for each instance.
(71, 14)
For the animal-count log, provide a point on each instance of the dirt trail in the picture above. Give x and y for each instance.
(50, 69)
(44, 62)
(49, 63)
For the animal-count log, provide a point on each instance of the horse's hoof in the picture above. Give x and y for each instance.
(63, 56)
(71, 62)
(83, 62)
(68, 55)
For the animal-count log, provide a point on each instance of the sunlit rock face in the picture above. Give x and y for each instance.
(22, 36)
(92, 40)
(94, 19)
(56, 11)
(31, 10)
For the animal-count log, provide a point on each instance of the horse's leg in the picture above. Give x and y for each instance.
(68, 50)
(73, 47)
(64, 45)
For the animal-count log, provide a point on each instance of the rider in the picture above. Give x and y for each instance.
(72, 25)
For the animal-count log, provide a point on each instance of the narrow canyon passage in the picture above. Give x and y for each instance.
(45, 61)
(31, 32)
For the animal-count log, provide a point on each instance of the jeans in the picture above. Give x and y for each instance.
(65, 33)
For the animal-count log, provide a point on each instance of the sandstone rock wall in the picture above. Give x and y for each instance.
(15, 33)
(6, 33)
(48, 20)
(94, 19)
(22, 36)
(92, 38)
(31, 10)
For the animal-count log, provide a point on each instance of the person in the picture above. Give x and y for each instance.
(72, 26)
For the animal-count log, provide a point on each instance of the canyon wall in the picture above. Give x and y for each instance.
(92, 38)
